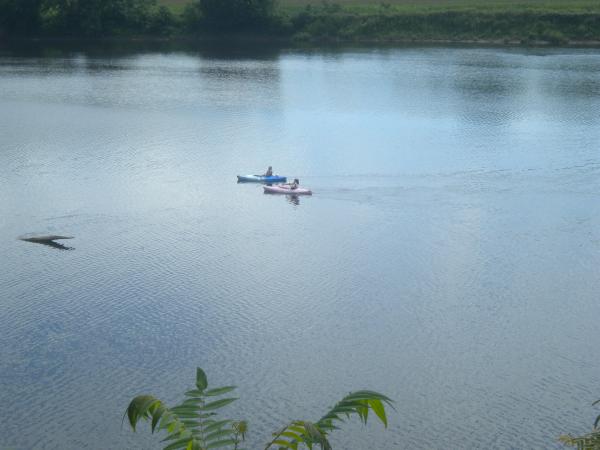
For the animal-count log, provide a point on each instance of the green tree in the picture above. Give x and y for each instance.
(163, 21)
(20, 17)
(233, 15)
(97, 17)
(194, 424)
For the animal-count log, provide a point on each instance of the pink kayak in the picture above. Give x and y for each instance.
(283, 189)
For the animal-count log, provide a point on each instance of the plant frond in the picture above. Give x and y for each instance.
(201, 379)
(193, 424)
(217, 404)
(589, 441)
(297, 433)
(190, 425)
(219, 391)
(357, 403)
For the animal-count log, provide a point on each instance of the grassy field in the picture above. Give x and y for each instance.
(441, 6)
(425, 6)
(410, 6)
(176, 6)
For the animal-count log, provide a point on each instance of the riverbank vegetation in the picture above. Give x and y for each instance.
(89, 18)
(195, 424)
(497, 21)
(589, 441)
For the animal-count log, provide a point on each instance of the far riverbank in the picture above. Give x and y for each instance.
(577, 24)
(530, 28)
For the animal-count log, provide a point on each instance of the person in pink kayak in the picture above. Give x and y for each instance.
(294, 184)
(269, 172)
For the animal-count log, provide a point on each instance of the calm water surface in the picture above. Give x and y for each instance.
(450, 256)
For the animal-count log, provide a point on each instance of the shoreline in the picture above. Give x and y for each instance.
(279, 41)
(336, 24)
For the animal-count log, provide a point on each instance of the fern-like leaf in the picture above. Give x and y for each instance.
(359, 403)
(589, 441)
(297, 433)
(356, 403)
(191, 424)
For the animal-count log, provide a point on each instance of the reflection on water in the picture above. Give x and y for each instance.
(107, 50)
(293, 199)
(48, 240)
(454, 235)
(50, 243)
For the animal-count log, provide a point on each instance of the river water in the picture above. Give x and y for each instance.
(449, 257)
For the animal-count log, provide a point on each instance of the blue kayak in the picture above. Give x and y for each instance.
(261, 179)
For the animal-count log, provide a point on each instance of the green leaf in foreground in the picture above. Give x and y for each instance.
(195, 425)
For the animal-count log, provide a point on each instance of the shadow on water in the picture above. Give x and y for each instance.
(293, 199)
(48, 241)
(114, 49)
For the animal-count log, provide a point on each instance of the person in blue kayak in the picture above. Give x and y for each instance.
(269, 172)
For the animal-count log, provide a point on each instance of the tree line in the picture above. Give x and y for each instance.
(327, 21)
(104, 18)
